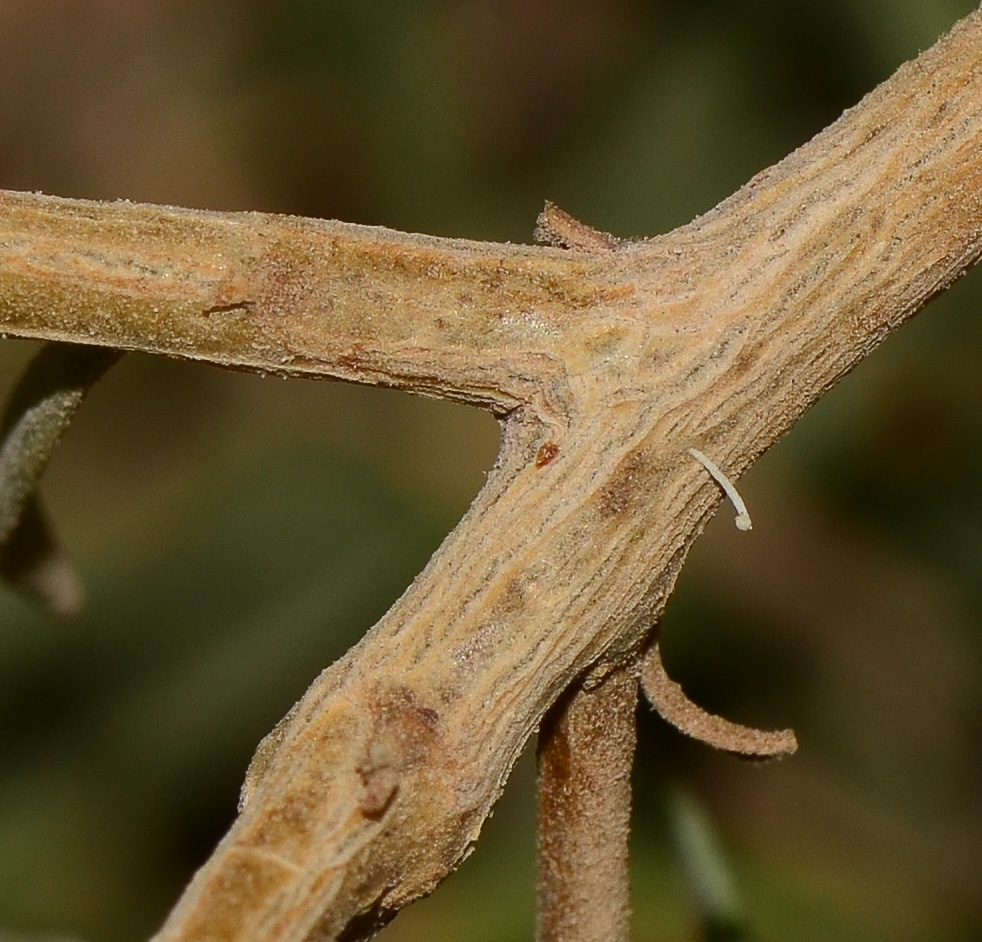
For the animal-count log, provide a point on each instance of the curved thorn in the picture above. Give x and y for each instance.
(38, 413)
(671, 703)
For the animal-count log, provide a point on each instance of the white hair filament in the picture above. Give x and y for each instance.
(742, 520)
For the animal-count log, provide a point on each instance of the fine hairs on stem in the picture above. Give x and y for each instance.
(742, 520)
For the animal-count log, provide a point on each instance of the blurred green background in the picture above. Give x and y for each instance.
(237, 534)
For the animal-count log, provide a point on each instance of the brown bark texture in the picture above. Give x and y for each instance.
(606, 361)
(586, 749)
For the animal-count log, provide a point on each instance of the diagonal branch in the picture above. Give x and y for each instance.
(608, 360)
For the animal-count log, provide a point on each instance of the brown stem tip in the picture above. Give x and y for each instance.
(558, 228)
(671, 703)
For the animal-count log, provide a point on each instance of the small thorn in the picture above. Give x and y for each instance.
(558, 228)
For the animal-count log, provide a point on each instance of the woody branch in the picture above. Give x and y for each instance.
(606, 360)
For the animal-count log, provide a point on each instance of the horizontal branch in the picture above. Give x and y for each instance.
(299, 297)
(715, 337)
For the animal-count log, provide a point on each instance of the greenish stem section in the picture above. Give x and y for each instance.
(39, 412)
(708, 873)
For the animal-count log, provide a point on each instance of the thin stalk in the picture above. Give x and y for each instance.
(586, 749)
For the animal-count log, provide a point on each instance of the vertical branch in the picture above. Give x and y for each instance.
(586, 748)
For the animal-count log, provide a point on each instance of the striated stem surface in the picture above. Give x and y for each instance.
(607, 360)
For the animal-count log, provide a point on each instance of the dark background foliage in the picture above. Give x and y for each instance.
(238, 533)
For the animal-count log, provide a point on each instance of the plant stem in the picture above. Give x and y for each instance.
(607, 362)
(586, 749)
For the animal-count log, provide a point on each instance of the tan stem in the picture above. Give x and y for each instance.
(472, 321)
(586, 749)
(608, 362)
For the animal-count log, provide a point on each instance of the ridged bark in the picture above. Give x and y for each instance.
(607, 362)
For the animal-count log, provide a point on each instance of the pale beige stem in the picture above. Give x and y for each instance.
(472, 321)
(586, 749)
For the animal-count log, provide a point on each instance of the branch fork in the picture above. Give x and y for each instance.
(606, 361)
